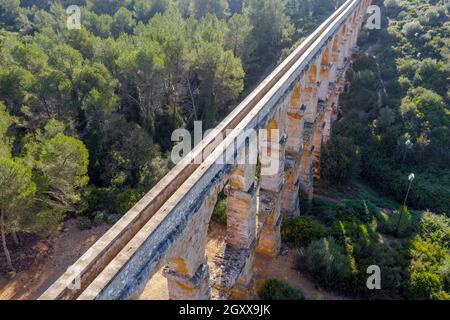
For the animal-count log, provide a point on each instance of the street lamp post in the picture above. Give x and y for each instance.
(411, 178)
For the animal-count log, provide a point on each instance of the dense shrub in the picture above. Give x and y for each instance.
(411, 29)
(112, 218)
(274, 289)
(328, 263)
(435, 228)
(358, 210)
(324, 211)
(84, 222)
(300, 231)
(220, 210)
(430, 258)
(99, 217)
(444, 273)
(95, 198)
(393, 8)
(425, 286)
(108, 204)
(339, 160)
(399, 223)
(359, 236)
(426, 256)
(125, 200)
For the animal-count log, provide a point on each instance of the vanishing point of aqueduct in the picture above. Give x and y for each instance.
(168, 227)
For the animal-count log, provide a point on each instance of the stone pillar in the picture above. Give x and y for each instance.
(306, 162)
(294, 146)
(332, 74)
(290, 202)
(271, 183)
(328, 119)
(241, 217)
(343, 61)
(185, 287)
(326, 74)
(324, 81)
(318, 141)
(241, 223)
(340, 58)
(188, 272)
(310, 102)
(241, 207)
(353, 38)
(348, 44)
(243, 290)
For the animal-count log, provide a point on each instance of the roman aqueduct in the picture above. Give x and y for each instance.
(168, 227)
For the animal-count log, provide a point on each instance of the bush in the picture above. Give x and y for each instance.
(444, 273)
(427, 256)
(339, 160)
(393, 8)
(425, 286)
(99, 217)
(398, 224)
(220, 210)
(435, 228)
(300, 231)
(357, 210)
(327, 263)
(274, 289)
(410, 29)
(95, 198)
(357, 237)
(112, 218)
(125, 200)
(84, 222)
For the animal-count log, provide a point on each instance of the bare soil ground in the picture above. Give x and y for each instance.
(40, 263)
(283, 268)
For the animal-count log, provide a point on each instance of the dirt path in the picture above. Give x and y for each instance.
(322, 197)
(282, 268)
(52, 258)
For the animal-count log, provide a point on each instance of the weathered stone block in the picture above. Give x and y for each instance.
(243, 177)
(294, 131)
(241, 217)
(232, 267)
(269, 243)
(289, 195)
(272, 167)
(269, 206)
(184, 288)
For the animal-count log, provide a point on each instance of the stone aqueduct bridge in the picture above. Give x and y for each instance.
(168, 227)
